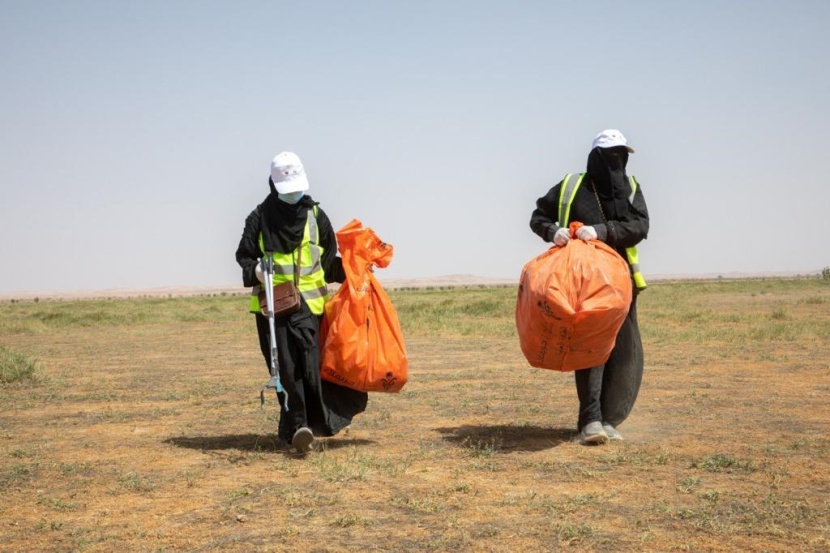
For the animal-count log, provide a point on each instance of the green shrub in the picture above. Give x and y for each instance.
(15, 367)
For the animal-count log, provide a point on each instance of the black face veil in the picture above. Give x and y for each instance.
(283, 224)
(606, 168)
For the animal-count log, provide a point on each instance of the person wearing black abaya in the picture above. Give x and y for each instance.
(611, 213)
(293, 226)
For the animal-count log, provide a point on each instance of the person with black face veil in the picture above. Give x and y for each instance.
(613, 209)
(293, 228)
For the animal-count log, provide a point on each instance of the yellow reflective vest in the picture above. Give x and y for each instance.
(566, 197)
(312, 284)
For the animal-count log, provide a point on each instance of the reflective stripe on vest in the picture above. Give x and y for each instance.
(631, 253)
(312, 283)
(570, 184)
(566, 196)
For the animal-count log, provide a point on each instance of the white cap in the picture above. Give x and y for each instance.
(288, 173)
(610, 138)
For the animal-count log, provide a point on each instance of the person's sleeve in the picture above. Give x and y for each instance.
(543, 220)
(332, 263)
(632, 230)
(248, 253)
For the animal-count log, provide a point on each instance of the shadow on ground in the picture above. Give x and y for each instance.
(253, 442)
(506, 437)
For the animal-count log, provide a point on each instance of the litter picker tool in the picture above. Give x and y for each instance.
(274, 383)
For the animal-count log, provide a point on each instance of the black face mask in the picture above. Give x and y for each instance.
(615, 158)
(606, 167)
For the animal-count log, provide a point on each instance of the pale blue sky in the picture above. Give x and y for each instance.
(136, 136)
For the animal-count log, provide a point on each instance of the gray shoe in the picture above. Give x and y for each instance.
(612, 433)
(593, 433)
(302, 440)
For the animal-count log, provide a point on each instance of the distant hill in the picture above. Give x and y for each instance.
(446, 281)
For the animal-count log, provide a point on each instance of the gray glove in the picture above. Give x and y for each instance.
(562, 237)
(586, 233)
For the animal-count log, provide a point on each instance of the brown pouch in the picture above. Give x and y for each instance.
(286, 299)
(286, 294)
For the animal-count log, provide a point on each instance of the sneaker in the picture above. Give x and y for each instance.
(612, 433)
(593, 433)
(302, 440)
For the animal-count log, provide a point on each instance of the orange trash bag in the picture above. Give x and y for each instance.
(571, 303)
(362, 341)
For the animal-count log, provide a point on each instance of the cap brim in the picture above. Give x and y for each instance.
(609, 146)
(297, 184)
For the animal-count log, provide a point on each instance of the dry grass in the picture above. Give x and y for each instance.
(141, 431)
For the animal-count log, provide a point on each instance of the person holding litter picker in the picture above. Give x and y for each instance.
(290, 237)
(613, 210)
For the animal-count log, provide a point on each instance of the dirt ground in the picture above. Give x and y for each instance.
(149, 437)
